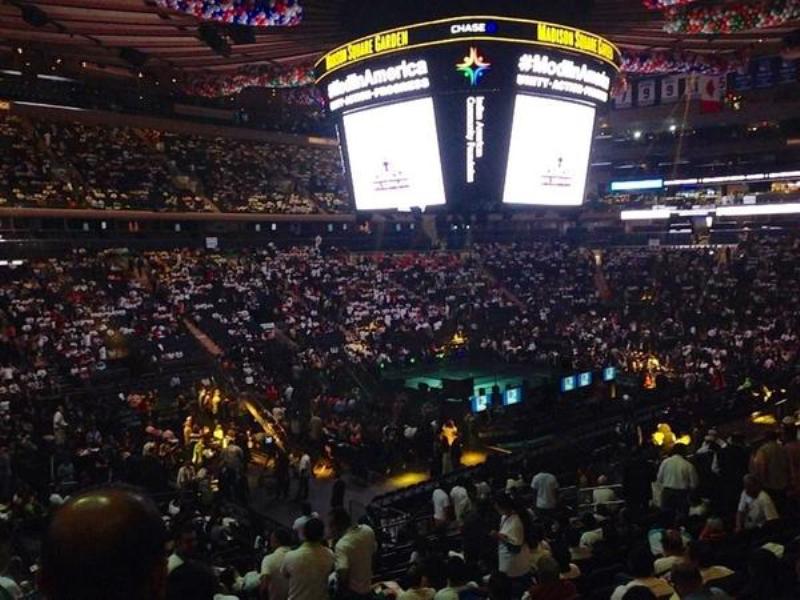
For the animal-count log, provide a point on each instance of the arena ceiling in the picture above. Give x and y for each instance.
(123, 37)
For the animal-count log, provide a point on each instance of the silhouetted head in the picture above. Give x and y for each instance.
(105, 544)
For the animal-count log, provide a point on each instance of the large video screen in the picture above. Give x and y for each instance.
(393, 156)
(549, 152)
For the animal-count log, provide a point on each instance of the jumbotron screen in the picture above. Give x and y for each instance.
(548, 159)
(389, 167)
(471, 112)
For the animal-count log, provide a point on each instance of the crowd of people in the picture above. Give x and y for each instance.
(294, 329)
(61, 164)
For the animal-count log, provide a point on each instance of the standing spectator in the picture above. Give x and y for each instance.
(306, 514)
(771, 466)
(636, 477)
(282, 474)
(513, 549)
(353, 551)
(545, 485)
(307, 568)
(678, 477)
(756, 508)
(338, 491)
(791, 446)
(59, 426)
(460, 501)
(734, 460)
(441, 507)
(303, 476)
(274, 584)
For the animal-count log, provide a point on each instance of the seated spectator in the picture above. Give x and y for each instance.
(688, 584)
(185, 546)
(500, 587)
(550, 586)
(192, 581)
(713, 531)
(672, 544)
(639, 592)
(640, 567)
(458, 583)
(592, 532)
(106, 544)
(602, 494)
(567, 568)
(417, 586)
(756, 508)
(701, 555)
(768, 578)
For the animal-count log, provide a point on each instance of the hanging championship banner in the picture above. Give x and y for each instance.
(646, 93)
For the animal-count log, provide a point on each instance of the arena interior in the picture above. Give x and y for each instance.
(368, 299)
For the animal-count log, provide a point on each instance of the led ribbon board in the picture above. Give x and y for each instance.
(461, 29)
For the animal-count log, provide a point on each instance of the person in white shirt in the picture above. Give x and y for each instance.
(513, 551)
(353, 552)
(756, 508)
(303, 476)
(307, 568)
(546, 487)
(603, 495)
(592, 533)
(460, 500)
(60, 426)
(274, 584)
(677, 477)
(300, 522)
(441, 507)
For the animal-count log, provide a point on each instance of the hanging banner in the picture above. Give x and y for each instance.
(646, 93)
(624, 97)
(693, 90)
(764, 73)
(670, 89)
(787, 71)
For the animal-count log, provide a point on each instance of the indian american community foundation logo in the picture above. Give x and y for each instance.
(474, 66)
